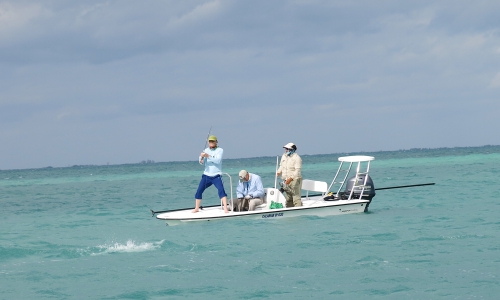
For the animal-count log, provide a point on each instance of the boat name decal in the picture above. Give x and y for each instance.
(272, 215)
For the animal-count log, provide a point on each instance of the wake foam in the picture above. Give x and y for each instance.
(130, 246)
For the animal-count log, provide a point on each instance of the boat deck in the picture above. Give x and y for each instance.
(312, 206)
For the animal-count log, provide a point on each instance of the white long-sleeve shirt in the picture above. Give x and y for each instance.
(213, 163)
(252, 187)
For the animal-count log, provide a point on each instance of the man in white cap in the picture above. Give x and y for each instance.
(290, 170)
(250, 191)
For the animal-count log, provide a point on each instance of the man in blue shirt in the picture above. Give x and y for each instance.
(212, 158)
(250, 191)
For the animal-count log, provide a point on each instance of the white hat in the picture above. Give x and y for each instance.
(289, 145)
(243, 175)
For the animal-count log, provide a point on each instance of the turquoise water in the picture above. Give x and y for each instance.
(86, 232)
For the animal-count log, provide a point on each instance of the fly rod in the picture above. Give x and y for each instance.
(276, 173)
(403, 186)
(206, 140)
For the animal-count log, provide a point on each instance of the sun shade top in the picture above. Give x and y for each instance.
(356, 158)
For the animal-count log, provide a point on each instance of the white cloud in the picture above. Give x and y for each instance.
(104, 69)
(199, 14)
(14, 18)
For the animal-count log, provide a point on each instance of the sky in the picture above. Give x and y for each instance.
(115, 82)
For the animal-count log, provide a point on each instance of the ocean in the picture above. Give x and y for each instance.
(86, 232)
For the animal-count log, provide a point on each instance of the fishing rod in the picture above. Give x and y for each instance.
(206, 140)
(276, 173)
(404, 186)
(391, 187)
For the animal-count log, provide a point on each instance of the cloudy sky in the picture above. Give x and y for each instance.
(97, 82)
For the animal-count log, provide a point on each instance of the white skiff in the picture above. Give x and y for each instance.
(350, 191)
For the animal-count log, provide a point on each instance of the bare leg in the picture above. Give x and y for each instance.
(224, 202)
(197, 207)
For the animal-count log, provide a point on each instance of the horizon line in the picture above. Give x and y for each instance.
(152, 162)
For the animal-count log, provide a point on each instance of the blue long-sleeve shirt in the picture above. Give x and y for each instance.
(251, 187)
(213, 163)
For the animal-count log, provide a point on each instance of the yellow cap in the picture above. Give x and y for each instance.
(212, 138)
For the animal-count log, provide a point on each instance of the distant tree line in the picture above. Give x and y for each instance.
(149, 161)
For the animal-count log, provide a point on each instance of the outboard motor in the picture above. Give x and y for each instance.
(369, 191)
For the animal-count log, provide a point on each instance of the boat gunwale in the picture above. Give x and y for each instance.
(254, 212)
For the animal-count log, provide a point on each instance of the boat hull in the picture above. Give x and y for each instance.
(311, 207)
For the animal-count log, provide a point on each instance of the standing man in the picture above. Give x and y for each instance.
(290, 168)
(250, 191)
(212, 158)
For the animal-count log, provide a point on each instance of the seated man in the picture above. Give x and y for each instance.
(250, 192)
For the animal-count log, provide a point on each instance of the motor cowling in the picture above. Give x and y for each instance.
(357, 183)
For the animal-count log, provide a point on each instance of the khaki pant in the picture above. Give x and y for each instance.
(246, 204)
(292, 193)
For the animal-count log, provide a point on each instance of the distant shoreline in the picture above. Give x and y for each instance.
(484, 150)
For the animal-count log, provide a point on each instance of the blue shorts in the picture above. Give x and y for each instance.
(207, 181)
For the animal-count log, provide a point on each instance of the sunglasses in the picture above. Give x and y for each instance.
(288, 149)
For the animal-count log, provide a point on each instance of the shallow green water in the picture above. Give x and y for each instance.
(86, 232)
